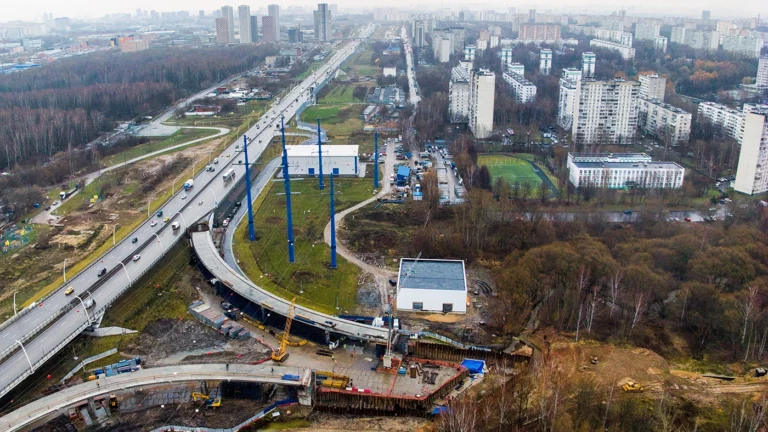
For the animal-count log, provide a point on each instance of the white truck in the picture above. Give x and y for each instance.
(175, 226)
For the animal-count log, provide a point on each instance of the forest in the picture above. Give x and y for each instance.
(68, 103)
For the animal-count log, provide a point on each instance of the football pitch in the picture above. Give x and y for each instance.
(510, 169)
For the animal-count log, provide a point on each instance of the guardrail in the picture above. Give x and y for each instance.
(42, 326)
(86, 361)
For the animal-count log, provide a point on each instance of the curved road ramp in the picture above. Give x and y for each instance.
(58, 402)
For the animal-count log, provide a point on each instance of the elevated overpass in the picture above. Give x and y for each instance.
(62, 400)
(36, 333)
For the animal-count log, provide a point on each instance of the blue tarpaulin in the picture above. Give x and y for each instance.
(439, 410)
(474, 366)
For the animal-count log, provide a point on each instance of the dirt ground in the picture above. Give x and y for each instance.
(232, 412)
(338, 423)
(170, 341)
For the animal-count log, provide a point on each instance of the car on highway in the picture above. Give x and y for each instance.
(687, 219)
(102, 272)
(134, 240)
(136, 257)
(166, 219)
(183, 197)
(216, 161)
(153, 223)
(69, 291)
(225, 223)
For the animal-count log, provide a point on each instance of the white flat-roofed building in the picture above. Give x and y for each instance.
(762, 72)
(525, 91)
(482, 90)
(752, 171)
(626, 51)
(572, 74)
(663, 120)
(652, 86)
(389, 71)
(748, 46)
(567, 102)
(338, 159)
(458, 93)
(505, 54)
(678, 35)
(618, 171)
(646, 31)
(605, 112)
(588, 62)
(728, 120)
(517, 68)
(432, 285)
(545, 61)
(469, 52)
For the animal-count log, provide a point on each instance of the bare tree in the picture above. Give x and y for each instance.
(592, 306)
(639, 305)
(614, 284)
(747, 305)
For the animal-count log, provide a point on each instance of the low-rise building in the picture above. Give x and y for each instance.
(620, 171)
(390, 71)
(432, 285)
(338, 159)
(664, 121)
(524, 90)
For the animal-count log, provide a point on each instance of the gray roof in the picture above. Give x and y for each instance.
(618, 165)
(432, 274)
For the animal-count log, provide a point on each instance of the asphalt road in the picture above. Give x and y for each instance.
(201, 200)
(410, 69)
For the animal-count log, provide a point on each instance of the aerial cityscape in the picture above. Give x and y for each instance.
(333, 217)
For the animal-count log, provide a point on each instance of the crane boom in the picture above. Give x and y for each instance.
(281, 354)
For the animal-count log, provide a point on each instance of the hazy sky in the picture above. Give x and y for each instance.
(33, 9)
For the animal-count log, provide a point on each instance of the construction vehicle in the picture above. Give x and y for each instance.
(632, 386)
(113, 402)
(212, 400)
(281, 354)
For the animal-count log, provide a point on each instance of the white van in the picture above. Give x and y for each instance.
(175, 226)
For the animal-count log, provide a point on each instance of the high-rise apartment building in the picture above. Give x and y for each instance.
(274, 11)
(458, 93)
(660, 43)
(545, 61)
(524, 90)
(568, 100)
(469, 53)
(588, 62)
(728, 122)
(244, 17)
(752, 171)
(572, 74)
(517, 68)
(532, 16)
(419, 33)
(606, 112)
(762, 72)
(441, 49)
(646, 31)
(652, 86)
(253, 22)
(295, 35)
(678, 35)
(538, 33)
(268, 33)
(702, 39)
(222, 31)
(482, 86)
(229, 14)
(706, 15)
(748, 46)
(505, 54)
(664, 121)
(323, 23)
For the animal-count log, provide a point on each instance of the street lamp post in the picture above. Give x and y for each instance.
(64, 269)
(14, 303)
(158, 239)
(114, 230)
(31, 369)
(130, 282)
(85, 309)
(182, 219)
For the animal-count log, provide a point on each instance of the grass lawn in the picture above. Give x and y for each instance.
(341, 94)
(338, 120)
(179, 137)
(510, 169)
(266, 261)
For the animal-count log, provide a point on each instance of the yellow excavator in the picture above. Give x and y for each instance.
(281, 354)
(632, 387)
(213, 400)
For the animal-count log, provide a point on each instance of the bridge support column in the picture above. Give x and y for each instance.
(92, 406)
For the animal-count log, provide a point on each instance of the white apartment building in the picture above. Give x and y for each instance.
(678, 35)
(730, 121)
(229, 13)
(517, 68)
(505, 54)
(525, 91)
(664, 121)
(645, 31)
(606, 112)
(482, 86)
(762, 72)
(469, 53)
(626, 52)
(244, 16)
(458, 93)
(660, 43)
(441, 48)
(323, 23)
(567, 102)
(618, 171)
(482, 44)
(545, 61)
(702, 39)
(752, 171)
(588, 62)
(571, 74)
(652, 86)
(748, 46)
(493, 41)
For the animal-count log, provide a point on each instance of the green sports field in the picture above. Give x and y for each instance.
(510, 169)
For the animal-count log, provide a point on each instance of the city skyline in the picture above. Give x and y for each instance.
(81, 9)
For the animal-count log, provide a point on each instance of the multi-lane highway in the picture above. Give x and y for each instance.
(45, 328)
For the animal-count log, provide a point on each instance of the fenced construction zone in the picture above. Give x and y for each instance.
(516, 169)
